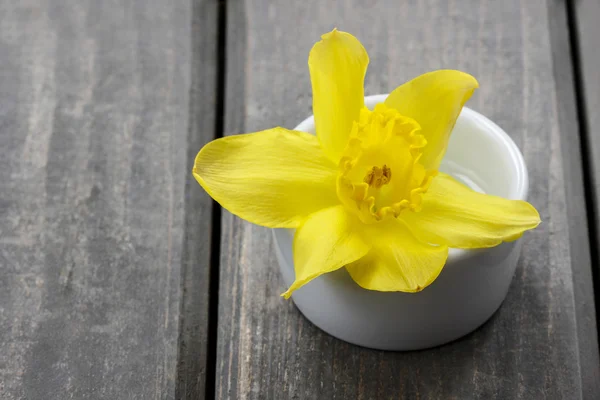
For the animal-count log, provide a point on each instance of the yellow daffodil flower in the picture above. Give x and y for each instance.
(365, 193)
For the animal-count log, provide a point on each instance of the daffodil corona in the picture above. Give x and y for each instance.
(365, 193)
(382, 143)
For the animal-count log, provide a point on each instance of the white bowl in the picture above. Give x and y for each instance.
(469, 289)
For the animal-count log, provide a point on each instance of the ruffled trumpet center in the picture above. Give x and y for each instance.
(379, 172)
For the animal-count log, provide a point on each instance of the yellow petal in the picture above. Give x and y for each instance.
(457, 216)
(337, 64)
(275, 178)
(328, 240)
(434, 100)
(398, 261)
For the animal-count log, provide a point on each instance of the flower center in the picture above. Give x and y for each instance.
(383, 141)
(378, 177)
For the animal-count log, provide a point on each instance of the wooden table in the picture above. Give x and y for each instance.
(120, 279)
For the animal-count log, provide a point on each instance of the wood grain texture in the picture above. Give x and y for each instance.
(542, 342)
(94, 187)
(587, 13)
(193, 334)
(578, 220)
(587, 33)
(585, 17)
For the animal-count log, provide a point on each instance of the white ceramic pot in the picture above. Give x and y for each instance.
(469, 289)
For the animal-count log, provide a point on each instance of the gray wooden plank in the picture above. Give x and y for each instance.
(101, 231)
(580, 249)
(542, 343)
(586, 14)
(586, 31)
(195, 274)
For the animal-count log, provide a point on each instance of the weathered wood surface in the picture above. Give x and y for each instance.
(100, 106)
(542, 342)
(586, 14)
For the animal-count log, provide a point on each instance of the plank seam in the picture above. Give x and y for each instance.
(213, 301)
(591, 201)
(198, 308)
